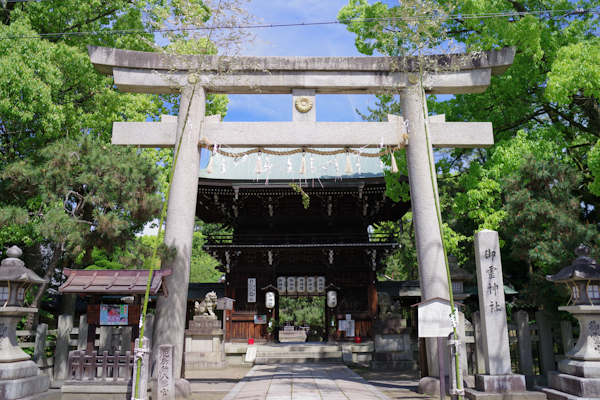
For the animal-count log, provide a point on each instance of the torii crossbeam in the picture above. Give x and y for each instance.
(142, 72)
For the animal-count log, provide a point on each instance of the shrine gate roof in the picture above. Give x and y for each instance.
(114, 281)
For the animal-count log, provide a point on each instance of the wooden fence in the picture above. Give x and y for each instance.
(535, 347)
(51, 347)
(90, 367)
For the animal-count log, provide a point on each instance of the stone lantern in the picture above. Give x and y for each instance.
(18, 374)
(458, 276)
(579, 374)
(15, 279)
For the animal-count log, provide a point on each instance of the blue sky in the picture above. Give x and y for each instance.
(298, 41)
(316, 40)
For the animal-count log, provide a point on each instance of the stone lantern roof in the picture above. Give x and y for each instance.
(457, 273)
(12, 269)
(583, 268)
(582, 278)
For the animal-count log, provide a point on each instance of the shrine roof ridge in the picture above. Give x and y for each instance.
(106, 58)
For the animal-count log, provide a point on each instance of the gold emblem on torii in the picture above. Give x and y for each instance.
(304, 104)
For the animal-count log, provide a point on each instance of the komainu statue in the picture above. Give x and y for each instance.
(208, 306)
(387, 307)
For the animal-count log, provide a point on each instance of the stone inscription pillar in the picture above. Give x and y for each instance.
(490, 287)
(171, 316)
(430, 254)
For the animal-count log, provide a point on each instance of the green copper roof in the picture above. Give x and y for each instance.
(323, 167)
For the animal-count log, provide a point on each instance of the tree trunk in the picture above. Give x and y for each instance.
(37, 300)
(67, 303)
(32, 256)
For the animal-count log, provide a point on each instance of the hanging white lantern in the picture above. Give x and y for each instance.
(311, 284)
(270, 300)
(301, 284)
(281, 283)
(331, 299)
(291, 285)
(321, 284)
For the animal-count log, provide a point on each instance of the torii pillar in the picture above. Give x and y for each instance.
(171, 312)
(136, 72)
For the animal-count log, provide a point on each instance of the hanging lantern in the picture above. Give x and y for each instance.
(270, 300)
(281, 284)
(301, 284)
(320, 284)
(291, 285)
(331, 299)
(311, 284)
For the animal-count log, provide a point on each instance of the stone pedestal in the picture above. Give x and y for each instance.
(502, 387)
(578, 375)
(205, 344)
(391, 346)
(18, 374)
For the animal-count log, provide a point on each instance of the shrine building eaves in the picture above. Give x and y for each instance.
(146, 72)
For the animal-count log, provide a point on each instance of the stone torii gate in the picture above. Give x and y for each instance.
(142, 72)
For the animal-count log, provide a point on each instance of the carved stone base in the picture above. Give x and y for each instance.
(584, 369)
(502, 387)
(23, 387)
(575, 386)
(500, 383)
(20, 379)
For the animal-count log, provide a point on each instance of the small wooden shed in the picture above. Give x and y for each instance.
(114, 282)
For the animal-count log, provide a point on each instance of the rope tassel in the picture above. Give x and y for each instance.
(348, 169)
(394, 165)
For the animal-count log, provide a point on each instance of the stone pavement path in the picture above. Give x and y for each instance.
(310, 381)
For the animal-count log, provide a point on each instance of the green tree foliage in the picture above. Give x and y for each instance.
(545, 105)
(82, 194)
(51, 94)
(79, 195)
(543, 222)
(48, 88)
(203, 266)
(302, 311)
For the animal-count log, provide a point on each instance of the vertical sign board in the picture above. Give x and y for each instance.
(251, 290)
(349, 328)
(491, 303)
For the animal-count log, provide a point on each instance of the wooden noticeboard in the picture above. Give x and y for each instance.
(434, 318)
(93, 314)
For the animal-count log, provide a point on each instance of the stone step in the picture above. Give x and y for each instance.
(295, 360)
(553, 394)
(473, 394)
(300, 354)
(287, 349)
